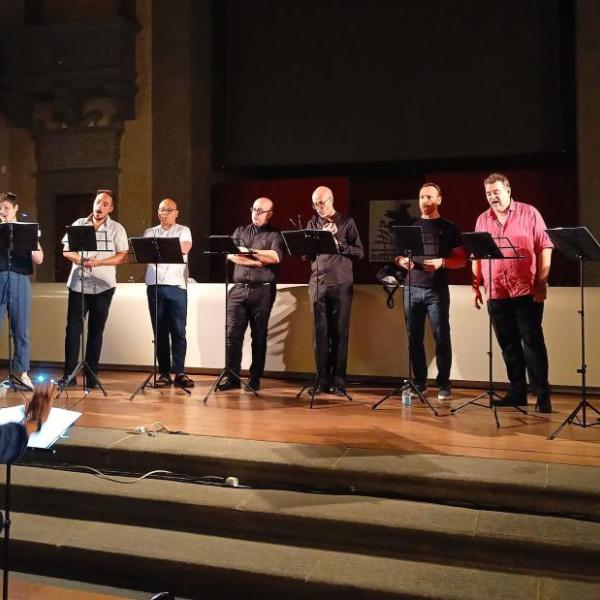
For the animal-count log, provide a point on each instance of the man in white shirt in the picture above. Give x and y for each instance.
(100, 269)
(170, 290)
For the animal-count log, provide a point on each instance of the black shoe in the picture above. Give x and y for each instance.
(318, 388)
(339, 390)
(229, 384)
(511, 399)
(544, 404)
(182, 380)
(61, 383)
(163, 380)
(90, 384)
(254, 383)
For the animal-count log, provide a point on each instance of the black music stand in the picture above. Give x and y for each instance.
(312, 243)
(157, 251)
(577, 243)
(480, 245)
(23, 238)
(82, 238)
(225, 245)
(410, 243)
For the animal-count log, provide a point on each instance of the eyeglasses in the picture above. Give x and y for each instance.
(259, 211)
(166, 211)
(321, 203)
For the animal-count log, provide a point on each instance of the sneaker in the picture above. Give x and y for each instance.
(26, 381)
(422, 388)
(163, 380)
(182, 380)
(445, 393)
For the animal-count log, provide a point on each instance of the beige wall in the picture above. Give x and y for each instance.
(377, 335)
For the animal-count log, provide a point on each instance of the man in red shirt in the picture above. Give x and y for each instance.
(516, 292)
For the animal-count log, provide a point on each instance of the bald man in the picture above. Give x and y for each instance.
(332, 301)
(171, 299)
(253, 293)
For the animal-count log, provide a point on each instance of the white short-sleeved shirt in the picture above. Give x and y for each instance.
(175, 274)
(111, 238)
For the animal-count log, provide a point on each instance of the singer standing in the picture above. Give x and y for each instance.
(331, 306)
(517, 291)
(100, 283)
(21, 268)
(171, 297)
(253, 292)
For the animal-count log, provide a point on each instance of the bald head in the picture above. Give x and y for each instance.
(168, 212)
(322, 200)
(262, 211)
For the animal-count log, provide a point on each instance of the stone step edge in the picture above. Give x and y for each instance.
(184, 562)
(381, 526)
(494, 484)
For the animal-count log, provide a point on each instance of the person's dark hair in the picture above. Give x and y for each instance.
(494, 177)
(108, 193)
(9, 197)
(433, 185)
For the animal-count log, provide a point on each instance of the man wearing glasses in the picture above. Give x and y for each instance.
(331, 306)
(171, 299)
(253, 292)
(100, 282)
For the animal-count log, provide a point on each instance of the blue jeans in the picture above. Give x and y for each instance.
(171, 342)
(20, 310)
(434, 304)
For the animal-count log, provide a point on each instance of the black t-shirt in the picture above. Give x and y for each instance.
(259, 238)
(440, 237)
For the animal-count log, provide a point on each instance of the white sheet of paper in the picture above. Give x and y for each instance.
(59, 420)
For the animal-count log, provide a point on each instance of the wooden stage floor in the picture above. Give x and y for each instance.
(278, 416)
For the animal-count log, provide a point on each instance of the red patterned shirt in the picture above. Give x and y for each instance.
(526, 231)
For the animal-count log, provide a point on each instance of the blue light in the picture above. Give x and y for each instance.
(41, 378)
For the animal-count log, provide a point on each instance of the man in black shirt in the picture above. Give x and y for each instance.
(331, 299)
(430, 295)
(253, 293)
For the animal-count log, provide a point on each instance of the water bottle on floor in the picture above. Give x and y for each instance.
(406, 396)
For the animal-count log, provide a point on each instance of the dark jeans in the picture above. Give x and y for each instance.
(249, 306)
(331, 331)
(434, 304)
(171, 313)
(518, 326)
(96, 307)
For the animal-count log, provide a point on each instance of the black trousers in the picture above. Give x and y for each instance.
(331, 330)
(249, 306)
(96, 307)
(517, 323)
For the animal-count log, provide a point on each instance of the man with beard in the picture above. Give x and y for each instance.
(99, 285)
(430, 295)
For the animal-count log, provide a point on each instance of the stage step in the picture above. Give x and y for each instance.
(203, 566)
(520, 486)
(364, 525)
